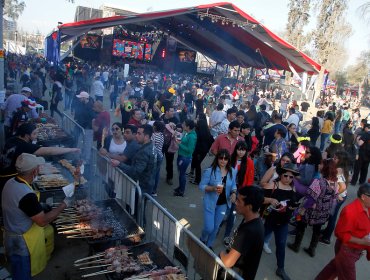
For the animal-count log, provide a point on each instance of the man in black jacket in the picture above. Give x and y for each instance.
(143, 164)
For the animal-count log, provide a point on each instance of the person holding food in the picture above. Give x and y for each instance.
(23, 142)
(26, 228)
(218, 184)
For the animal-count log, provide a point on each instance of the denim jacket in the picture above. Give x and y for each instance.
(210, 178)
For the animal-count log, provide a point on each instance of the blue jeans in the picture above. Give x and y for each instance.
(230, 220)
(190, 108)
(281, 235)
(156, 180)
(182, 165)
(21, 267)
(324, 138)
(212, 221)
(328, 231)
(337, 126)
(68, 96)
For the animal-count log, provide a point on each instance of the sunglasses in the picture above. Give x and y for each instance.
(224, 158)
(288, 176)
(115, 128)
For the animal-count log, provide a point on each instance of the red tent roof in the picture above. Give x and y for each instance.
(246, 43)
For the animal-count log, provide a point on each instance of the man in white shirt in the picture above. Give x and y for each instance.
(293, 117)
(230, 116)
(12, 103)
(97, 89)
(216, 119)
(105, 76)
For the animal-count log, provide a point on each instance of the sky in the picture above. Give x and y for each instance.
(43, 16)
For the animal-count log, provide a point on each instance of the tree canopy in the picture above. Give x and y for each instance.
(13, 8)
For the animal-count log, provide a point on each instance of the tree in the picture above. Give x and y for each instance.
(364, 11)
(358, 72)
(298, 18)
(330, 34)
(13, 8)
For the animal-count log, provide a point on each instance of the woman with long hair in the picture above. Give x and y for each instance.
(204, 143)
(308, 170)
(349, 139)
(114, 144)
(343, 161)
(219, 187)
(271, 174)
(316, 207)
(334, 146)
(244, 166)
(251, 115)
(314, 131)
(292, 137)
(280, 200)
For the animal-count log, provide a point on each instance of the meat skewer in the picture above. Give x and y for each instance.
(121, 256)
(95, 266)
(90, 257)
(132, 267)
(108, 253)
(73, 231)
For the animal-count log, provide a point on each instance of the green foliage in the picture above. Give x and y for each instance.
(359, 71)
(13, 8)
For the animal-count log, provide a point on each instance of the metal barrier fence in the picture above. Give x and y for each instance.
(111, 182)
(180, 245)
(72, 128)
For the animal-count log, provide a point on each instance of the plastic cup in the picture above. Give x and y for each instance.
(220, 187)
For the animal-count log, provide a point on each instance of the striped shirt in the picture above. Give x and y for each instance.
(158, 141)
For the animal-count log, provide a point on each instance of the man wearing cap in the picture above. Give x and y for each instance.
(25, 222)
(12, 103)
(84, 116)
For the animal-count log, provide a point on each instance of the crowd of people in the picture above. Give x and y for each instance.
(275, 165)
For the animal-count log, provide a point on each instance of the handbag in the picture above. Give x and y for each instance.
(174, 146)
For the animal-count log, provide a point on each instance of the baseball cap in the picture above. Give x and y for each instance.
(83, 94)
(26, 89)
(26, 162)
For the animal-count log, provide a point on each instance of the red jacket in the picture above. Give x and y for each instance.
(353, 221)
(249, 173)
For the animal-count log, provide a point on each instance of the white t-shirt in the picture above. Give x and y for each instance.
(117, 148)
(293, 118)
(105, 76)
(97, 88)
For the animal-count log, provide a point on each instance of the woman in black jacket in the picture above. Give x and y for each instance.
(314, 131)
(204, 143)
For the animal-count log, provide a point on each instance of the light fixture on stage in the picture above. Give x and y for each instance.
(225, 21)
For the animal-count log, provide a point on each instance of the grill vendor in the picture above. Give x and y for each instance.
(26, 229)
